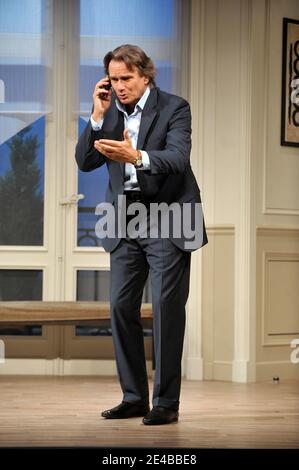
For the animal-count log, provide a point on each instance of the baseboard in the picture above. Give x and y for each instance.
(282, 369)
(193, 369)
(243, 371)
(223, 370)
(208, 370)
(218, 370)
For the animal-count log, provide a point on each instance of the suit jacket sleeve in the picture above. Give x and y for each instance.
(87, 157)
(174, 157)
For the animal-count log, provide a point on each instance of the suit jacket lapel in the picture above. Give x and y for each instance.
(115, 131)
(120, 136)
(148, 115)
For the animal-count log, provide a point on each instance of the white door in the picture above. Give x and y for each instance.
(50, 58)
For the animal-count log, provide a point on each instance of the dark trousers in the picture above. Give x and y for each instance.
(169, 269)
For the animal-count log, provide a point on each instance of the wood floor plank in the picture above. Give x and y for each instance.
(65, 411)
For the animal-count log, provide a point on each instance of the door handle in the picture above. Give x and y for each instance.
(71, 200)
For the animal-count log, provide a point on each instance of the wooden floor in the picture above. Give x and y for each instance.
(65, 411)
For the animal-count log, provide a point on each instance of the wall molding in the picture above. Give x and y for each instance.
(220, 229)
(279, 231)
(274, 339)
(274, 211)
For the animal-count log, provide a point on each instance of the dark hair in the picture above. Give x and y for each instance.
(132, 56)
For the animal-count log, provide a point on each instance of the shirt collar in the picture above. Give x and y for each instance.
(139, 106)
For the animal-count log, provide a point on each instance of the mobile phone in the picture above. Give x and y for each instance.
(103, 96)
(108, 86)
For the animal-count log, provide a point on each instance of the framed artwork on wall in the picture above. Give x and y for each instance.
(290, 83)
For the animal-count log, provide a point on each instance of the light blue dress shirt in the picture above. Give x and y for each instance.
(132, 123)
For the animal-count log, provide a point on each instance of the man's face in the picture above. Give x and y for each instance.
(128, 85)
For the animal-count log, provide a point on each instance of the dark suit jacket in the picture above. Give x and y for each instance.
(165, 134)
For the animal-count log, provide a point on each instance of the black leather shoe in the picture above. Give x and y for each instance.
(126, 410)
(161, 415)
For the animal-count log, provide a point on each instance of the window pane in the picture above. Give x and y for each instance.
(19, 284)
(93, 187)
(94, 285)
(142, 18)
(22, 187)
(153, 25)
(25, 63)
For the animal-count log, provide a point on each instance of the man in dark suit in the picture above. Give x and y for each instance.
(143, 135)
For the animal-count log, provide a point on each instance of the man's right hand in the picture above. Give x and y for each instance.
(101, 100)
